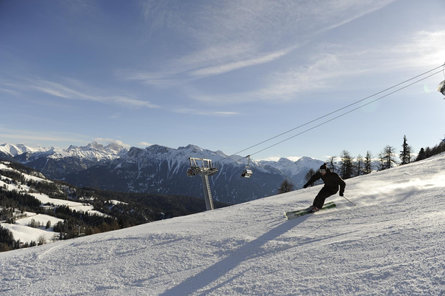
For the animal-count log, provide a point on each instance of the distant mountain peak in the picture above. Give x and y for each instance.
(284, 160)
(192, 147)
(17, 149)
(95, 145)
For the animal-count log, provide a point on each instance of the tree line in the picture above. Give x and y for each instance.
(350, 166)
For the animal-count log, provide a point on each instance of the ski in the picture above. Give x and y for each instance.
(302, 212)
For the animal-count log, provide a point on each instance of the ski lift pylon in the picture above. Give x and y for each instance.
(247, 173)
(204, 168)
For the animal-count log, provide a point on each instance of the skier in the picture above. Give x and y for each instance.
(331, 183)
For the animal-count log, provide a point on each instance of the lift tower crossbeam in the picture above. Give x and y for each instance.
(204, 168)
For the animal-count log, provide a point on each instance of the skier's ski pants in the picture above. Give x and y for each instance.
(324, 193)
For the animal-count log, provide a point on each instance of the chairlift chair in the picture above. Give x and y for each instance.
(441, 87)
(247, 173)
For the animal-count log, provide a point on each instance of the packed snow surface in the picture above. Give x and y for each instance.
(392, 242)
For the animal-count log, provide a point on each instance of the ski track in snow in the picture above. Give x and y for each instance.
(391, 243)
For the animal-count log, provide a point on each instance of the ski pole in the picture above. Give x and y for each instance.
(348, 200)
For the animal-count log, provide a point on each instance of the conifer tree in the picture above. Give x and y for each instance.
(368, 163)
(359, 165)
(346, 169)
(387, 160)
(382, 165)
(286, 186)
(428, 152)
(421, 154)
(405, 154)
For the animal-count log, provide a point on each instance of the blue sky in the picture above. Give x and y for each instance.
(223, 75)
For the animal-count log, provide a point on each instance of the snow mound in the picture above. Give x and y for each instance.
(391, 243)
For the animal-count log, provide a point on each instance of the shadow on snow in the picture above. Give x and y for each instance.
(248, 251)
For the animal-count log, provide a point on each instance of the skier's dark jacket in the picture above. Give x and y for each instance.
(331, 181)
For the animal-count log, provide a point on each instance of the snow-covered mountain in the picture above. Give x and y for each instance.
(91, 152)
(14, 150)
(162, 170)
(392, 242)
(294, 170)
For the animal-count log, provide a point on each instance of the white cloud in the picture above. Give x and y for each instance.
(107, 141)
(205, 112)
(33, 137)
(270, 158)
(331, 66)
(277, 158)
(145, 144)
(224, 68)
(232, 35)
(424, 48)
(132, 102)
(209, 62)
(71, 91)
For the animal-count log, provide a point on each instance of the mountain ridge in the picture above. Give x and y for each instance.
(161, 169)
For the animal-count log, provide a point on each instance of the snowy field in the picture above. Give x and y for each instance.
(22, 230)
(391, 243)
(74, 206)
(28, 234)
(26, 176)
(43, 198)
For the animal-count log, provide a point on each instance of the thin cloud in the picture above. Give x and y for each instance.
(332, 65)
(191, 68)
(9, 91)
(236, 35)
(224, 68)
(162, 79)
(68, 92)
(26, 136)
(205, 112)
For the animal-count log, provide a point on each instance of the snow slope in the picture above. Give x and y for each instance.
(22, 230)
(391, 243)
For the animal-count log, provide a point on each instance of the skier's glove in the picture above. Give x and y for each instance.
(341, 193)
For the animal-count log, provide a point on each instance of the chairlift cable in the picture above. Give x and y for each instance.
(349, 111)
(341, 109)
